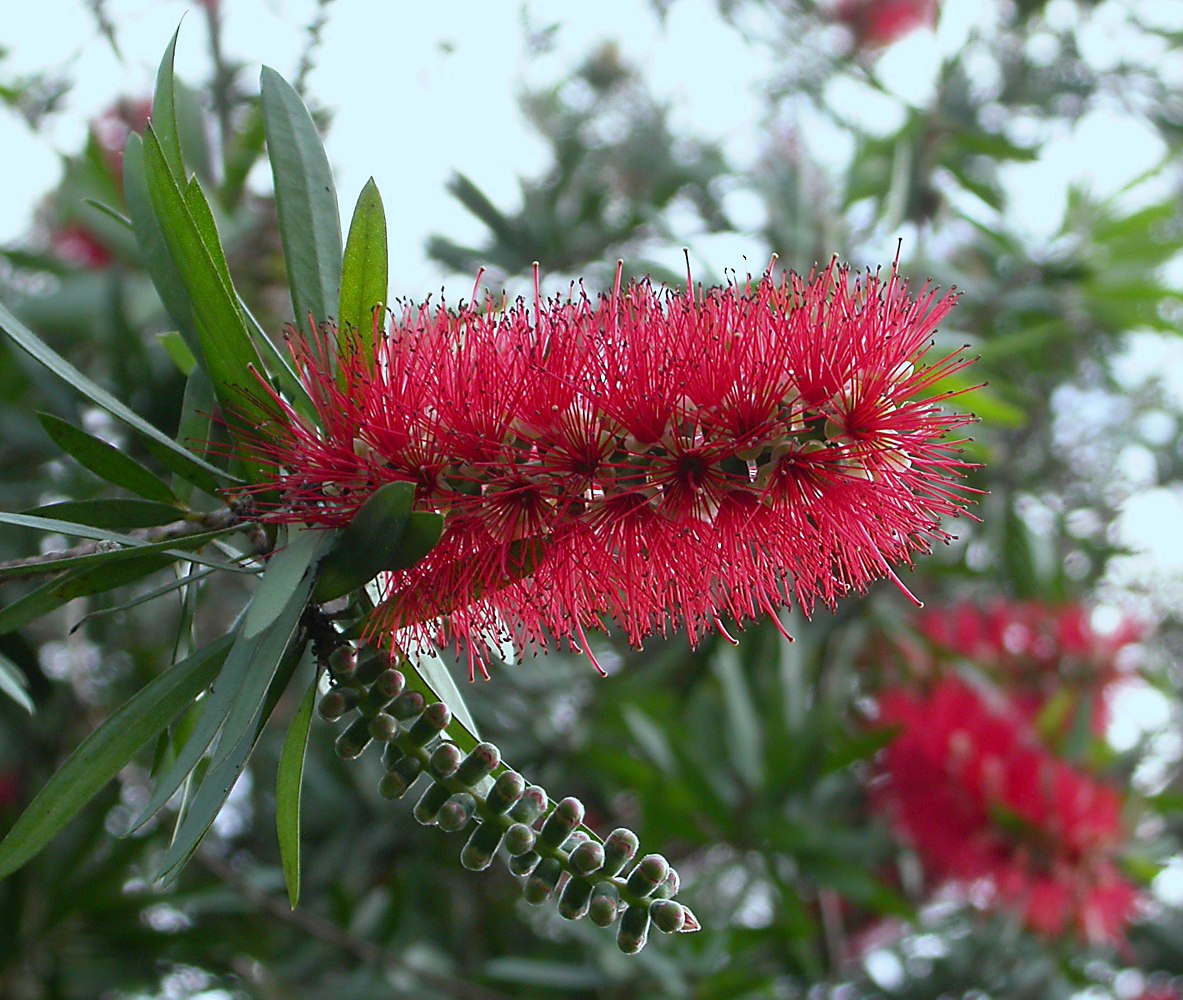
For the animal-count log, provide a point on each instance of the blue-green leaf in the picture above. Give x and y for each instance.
(105, 460)
(368, 543)
(13, 684)
(288, 786)
(106, 751)
(115, 513)
(164, 110)
(306, 201)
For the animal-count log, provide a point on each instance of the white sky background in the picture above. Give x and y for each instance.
(419, 91)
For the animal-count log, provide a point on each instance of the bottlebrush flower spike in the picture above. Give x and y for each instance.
(980, 799)
(654, 458)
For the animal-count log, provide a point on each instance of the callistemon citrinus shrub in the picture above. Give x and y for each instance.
(655, 458)
(982, 800)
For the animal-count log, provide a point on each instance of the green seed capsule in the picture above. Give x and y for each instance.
(383, 727)
(343, 662)
(433, 721)
(444, 760)
(336, 703)
(576, 898)
(478, 764)
(520, 839)
(667, 915)
(587, 857)
(353, 741)
(619, 849)
(567, 815)
(456, 813)
(531, 805)
(430, 802)
(506, 790)
(650, 872)
(605, 901)
(396, 782)
(634, 930)
(407, 705)
(541, 884)
(478, 853)
(524, 864)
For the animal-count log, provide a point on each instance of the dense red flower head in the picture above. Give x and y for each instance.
(655, 458)
(881, 22)
(968, 785)
(1037, 651)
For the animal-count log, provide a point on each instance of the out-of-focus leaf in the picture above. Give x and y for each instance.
(364, 272)
(32, 345)
(743, 722)
(178, 351)
(288, 785)
(13, 684)
(114, 513)
(306, 200)
(106, 751)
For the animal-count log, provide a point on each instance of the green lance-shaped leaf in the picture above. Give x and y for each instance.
(105, 460)
(164, 110)
(106, 751)
(306, 201)
(155, 439)
(13, 684)
(288, 785)
(365, 271)
(116, 513)
(285, 571)
(228, 354)
(369, 544)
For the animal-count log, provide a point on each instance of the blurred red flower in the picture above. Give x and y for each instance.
(966, 782)
(881, 22)
(652, 457)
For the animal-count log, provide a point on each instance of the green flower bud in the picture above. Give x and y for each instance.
(667, 915)
(619, 849)
(392, 753)
(354, 739)
(577, 837)
(650, 872)
(383, 727)
(407, 705)
(433, 721)
(478, 853)
(520, 839)
(542, 882)
(444, 760)
(456, 813)
(587, 857)
(506, 790)
(530, 806)
(669, 888)
(634, 930)
(371, 663)
(524, 864)
(567, 815)
(389, 684)
(575, 899)
(343, 662)
(481, 762)
(605, 901)
(396, 782)
(430, 802)
(336, 703)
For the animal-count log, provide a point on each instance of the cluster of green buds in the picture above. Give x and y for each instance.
(545, 844)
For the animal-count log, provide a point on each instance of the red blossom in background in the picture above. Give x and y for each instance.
(80, 248)
(966, 782)
(655, 458)
(881, 22)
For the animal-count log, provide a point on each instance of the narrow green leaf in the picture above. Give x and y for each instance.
(108, 211)
(178, 351)
(166, 588)
(13, 684)
(164, 111)
(368, 543)
(106, 751)
(743, 722)
(229, 354)
(37, 349)
(306, 201)
(421, 535)
(196, 425)
(428, 675)
(116, 513)
(105, 460)
(288, 785)
(364, 272)
(285, 571)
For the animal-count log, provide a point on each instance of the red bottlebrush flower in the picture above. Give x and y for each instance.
(1037, 651)
(80, 248)
(969, 786)
(654, 458)
(881, 22)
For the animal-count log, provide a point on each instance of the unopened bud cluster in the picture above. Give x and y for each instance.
(545, 844)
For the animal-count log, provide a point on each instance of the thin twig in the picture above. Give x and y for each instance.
(45, 563)
(325, 930)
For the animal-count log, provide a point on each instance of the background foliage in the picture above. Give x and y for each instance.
(748, 766)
